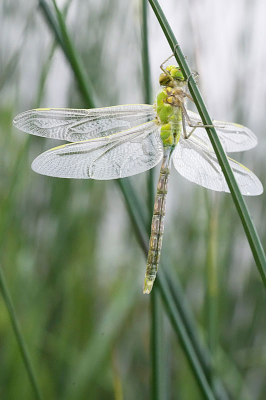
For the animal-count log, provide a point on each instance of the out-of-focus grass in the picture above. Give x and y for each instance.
(66, 257)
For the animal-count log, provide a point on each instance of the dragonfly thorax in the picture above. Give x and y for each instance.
(175, 96)
(169, 114)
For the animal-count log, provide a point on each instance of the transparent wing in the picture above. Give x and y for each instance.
(199, 164)
(117, 156)
(233, 137)
(76, 125)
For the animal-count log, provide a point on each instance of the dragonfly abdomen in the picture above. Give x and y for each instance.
(157, 226)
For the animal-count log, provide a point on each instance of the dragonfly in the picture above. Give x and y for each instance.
(121, 141)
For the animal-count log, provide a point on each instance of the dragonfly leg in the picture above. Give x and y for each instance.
(161, 66)
(187, 135)
(164, 70)
(184, 125)
(199, 124)
(188, 95)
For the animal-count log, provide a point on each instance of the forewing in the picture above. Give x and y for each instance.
(117, 156)
(76, 125)
(199, 164)
(233, 137)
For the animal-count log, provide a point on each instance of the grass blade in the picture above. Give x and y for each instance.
(158, 384)
(61, 34)
(145, 55)
(179, 328)
(212, 279)
(199, 367)
(19, 337)
(4, 226)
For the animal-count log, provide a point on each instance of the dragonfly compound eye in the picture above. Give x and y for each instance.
(164, 79)
(175, 72)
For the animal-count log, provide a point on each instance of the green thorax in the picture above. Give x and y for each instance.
(169, 117)
(169, 104)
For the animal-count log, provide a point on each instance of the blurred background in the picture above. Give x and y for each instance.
(71, 260)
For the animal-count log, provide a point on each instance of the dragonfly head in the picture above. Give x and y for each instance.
(173, 77)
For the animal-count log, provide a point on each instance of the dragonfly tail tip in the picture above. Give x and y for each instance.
(148, 284)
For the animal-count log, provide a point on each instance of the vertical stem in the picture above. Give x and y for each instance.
(157, 350)
(156, 343)
(85, 84)
(212, 284)
(212, 277)
(19, 336)
(145, 54)
(4, 226)
(179, 326)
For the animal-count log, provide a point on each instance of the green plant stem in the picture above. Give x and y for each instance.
(50, 19)
(157, 348)
(193, 333)
(5, 210)
(250, 230)
(179, 327)
(19, 337)
(133, 205)
(138, 221)
(64, 39)
(212, 279)
(156, 333)
(170, 305)
(4, 226)
(158, 385)
(145, 55)
(173, 295)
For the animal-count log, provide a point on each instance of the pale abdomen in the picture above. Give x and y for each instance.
(157, 225)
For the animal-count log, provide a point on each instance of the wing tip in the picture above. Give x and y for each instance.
(34, 165)
(259, 190)
(16, 120)
(20, 118)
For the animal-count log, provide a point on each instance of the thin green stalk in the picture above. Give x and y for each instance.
(51, 21)
(133, 205)
(156, 333)
(145, 55)
(61, 33)
(250, 230)
(157, 347)
(136, 218)
(180, 329)
(19, 337)
(212, 280)
(178, 297)
(158, 384)
(5, 210)
(170, 305)
(3, 227)
(9, 69)
(76, 63)
(4, 223)
(43, 76)
(189, 322)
